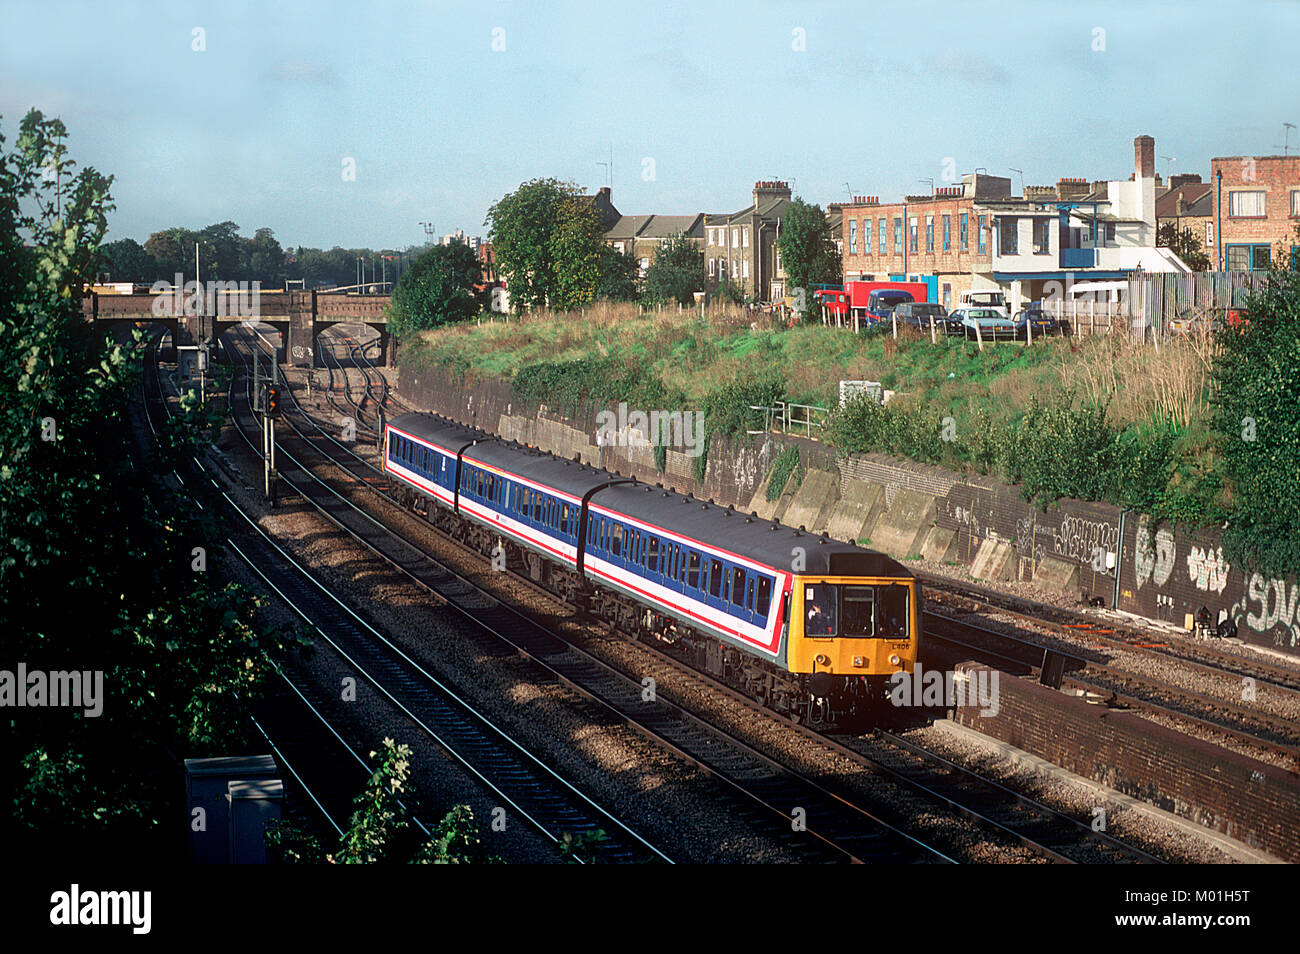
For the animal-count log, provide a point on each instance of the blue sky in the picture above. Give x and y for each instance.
(256, 127)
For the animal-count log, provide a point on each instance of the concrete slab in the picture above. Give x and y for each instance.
(766, 509)
(940, 545)
(902, 528)
(1060, 576)
(994, 560)
(854, 516)
(813, 501)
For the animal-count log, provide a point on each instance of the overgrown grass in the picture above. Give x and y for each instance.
(1099, 418)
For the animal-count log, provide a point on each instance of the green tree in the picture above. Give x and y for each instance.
(577, 251)
(439, 288)
(619, 272)
(264, 259)
(176, 646)
(1185, 245)
(676, 273)
(808, 252)
(546, 240)
(127, 261)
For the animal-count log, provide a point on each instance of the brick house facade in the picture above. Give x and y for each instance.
(1256, 208)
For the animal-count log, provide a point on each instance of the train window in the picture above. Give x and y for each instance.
(565, 515)
(652, 555)
(491, 486)
(859, 611)
(715, 577)
(425, 464)
(891, 611)
(693, 570)
(819, 610)
(616, 539)
(749, 593)
(737, 586)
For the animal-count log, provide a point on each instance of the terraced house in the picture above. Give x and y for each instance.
(641, 235)
(741, 247)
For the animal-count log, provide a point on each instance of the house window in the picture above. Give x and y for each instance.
(713, 267)
(883, 238)
(735, 238)
(898, 235)
(866, 236)
(645, 263)
(1041, 236)
(1246, 204)
(1110, 231)
(1008, 235)
(1295, 203)
(947, 297)
(722, 269)
(1248, 258)
(1209, 235)
(853, 236)
(911, 234)
(929, 233)
(965, 235)
(711, 237)
(947, 232)
(745, 235)
(619, 247)
(746, 268)
(980, 242)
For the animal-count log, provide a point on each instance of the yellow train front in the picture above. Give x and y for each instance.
(849, 634)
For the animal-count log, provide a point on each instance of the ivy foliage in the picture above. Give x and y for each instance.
(1256, 396)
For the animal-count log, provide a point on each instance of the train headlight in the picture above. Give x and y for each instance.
(894, 660)
(822, 660)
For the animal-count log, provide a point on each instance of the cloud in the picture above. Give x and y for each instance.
(971, 68)
(301, 71)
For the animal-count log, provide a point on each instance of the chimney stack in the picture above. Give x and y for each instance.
(1144, 157)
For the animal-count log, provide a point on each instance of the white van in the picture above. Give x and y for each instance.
(981, 298)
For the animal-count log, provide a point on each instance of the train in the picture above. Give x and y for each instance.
(812, 628)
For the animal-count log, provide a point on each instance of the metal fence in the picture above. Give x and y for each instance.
(786, 417)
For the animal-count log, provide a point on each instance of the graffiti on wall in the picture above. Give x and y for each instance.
(1269, 605)
(1208, 569)
(1081, 539)
(1153, 562)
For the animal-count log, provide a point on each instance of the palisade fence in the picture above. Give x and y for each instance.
(1163, 304)
(1156, 306)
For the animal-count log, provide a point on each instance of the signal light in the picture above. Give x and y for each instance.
(273, 401)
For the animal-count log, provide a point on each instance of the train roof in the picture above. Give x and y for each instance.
(744, 534)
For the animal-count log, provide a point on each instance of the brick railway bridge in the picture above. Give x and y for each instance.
(299, 316)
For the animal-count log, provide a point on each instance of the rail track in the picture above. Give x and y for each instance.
(1000, 810)
(533, 791)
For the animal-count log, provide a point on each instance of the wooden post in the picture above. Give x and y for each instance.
(1029, 331)
(894, 320)
(934, 338)
(979, 338)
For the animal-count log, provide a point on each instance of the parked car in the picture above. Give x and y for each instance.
(917, 314)
(991, 323)
(1042, 322)
(882, 301)
(1209, 320)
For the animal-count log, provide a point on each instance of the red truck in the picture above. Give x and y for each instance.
(869, 301)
